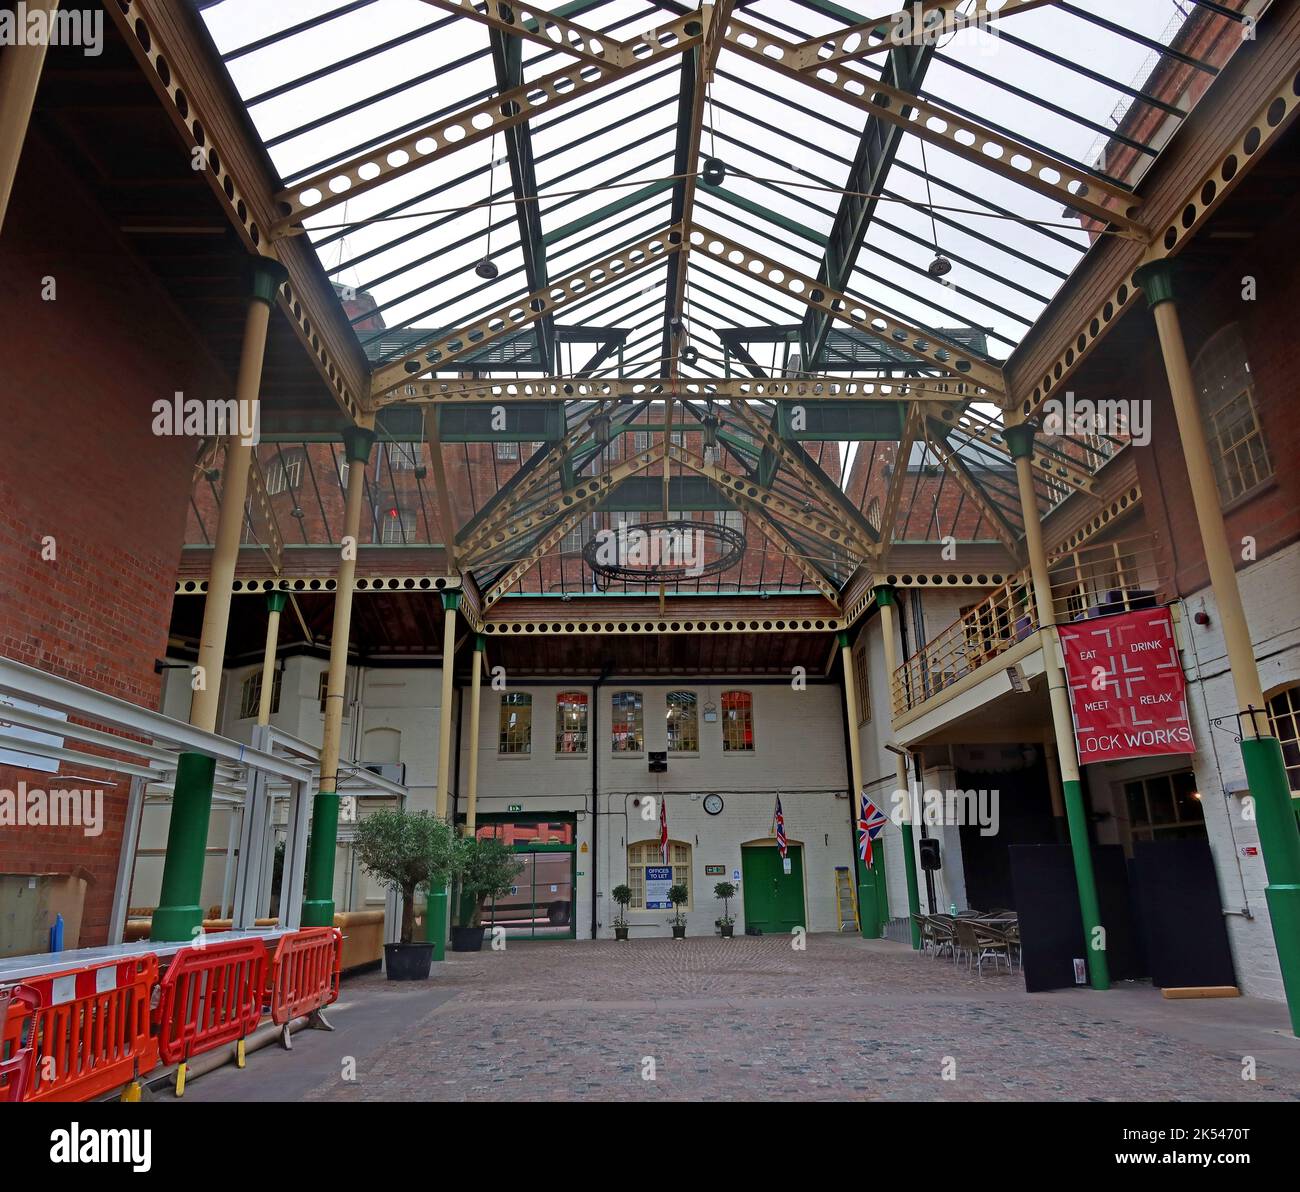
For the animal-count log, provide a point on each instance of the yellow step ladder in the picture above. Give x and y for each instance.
(846, 899)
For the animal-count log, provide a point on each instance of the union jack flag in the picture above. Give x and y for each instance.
(781, 841)
(870, 825)
(663, 830)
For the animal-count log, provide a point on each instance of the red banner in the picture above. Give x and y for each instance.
(1126, 687)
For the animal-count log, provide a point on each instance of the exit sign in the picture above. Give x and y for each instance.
(515, 807)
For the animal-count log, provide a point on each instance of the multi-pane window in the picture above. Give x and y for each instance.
(1284, 708)
(683, 722)
(1226, 390)
(403, 457)
(862, 680)
(283, 475)
(733, 519)
(640, 441)
(515, 726)
(250, 695)
(737, 722)
(628, 722)
(646, 852)
(1167, 806)
(507, 451)
(575, 538)
(397, 526)
(571, 722)
(322, 691)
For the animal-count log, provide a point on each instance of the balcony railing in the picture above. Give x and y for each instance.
(1091, 581)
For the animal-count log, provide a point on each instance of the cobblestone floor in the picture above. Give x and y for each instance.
(752, 1018)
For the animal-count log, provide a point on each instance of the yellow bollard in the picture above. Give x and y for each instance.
(239, 1054)
(132, 1092)
(180, 1081)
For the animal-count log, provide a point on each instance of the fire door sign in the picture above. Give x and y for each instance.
(1126, 687)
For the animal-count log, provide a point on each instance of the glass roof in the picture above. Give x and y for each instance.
(1096, 91)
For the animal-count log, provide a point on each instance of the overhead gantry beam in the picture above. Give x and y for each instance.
(967, 139)
(443, 348)
(545, 28)
(974, 491)
(902, 457)
(930, 390)
(438, 140)
(929, 348)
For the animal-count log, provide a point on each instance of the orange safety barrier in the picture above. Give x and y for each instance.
(210, 995)
(305, 973)
(16, 1058)
(90, 1033)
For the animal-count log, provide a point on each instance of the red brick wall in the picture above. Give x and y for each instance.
(78, 461)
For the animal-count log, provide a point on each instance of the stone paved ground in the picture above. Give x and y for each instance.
(752, 1018)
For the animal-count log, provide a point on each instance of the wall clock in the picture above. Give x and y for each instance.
(713, 804)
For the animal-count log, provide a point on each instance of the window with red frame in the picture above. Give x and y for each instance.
(737, 722)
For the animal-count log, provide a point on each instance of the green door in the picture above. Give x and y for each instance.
(773, 898)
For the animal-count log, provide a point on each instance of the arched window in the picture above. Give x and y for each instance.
(515, 726)
(571, 722)
(1225, 388)
(737, 722)
(628, 722)
(645, 854)
(1284, 710)
(683, 722)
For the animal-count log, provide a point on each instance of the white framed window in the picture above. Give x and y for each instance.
(397, 526)
(646, 852)
(640, 441)
(283, 475)
(683, 722)
(733, 519)
(1225, 388)
(1284, 711)
(862, 680)
(403, 457)
(628, 722)
(575, 538)
(571, 722)
(507, 451)
(515, 724)
(250, 694)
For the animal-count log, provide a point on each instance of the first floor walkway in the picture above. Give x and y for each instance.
(753, 1018)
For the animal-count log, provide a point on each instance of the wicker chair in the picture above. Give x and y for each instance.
(991, 943)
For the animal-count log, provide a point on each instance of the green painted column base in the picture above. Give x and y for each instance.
(1089, 908)
(1279, 840)
(435, 922)
(178, 915)
(318, 912)
(869, 911)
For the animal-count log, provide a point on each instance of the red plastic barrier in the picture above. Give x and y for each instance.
(90, 1034)
(305, 973)
(16, 1059)
(210, 996)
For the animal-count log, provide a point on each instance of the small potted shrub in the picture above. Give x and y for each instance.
(623, 896)
(726, 891)
(488, 868)
(678, 895)
(405, 852)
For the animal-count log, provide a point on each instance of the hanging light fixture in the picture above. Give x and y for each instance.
(941, 266)
(486, 268)
(710, 421)
(602, 428)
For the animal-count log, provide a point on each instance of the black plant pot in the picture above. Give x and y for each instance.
(467, 939)
(408, 962)
(620, 933)
(728, 929)
(679, 932)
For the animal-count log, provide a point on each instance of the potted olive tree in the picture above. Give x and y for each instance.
(488, 869)
(678, 895)
(406, 852)
(623, 896)
(726, 891)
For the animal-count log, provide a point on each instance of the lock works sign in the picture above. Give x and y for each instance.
(1126, 687)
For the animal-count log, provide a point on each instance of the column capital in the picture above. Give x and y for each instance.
(357, 442)
(275, 601)
(1020, 439)
(451, 602)
(480, 643)
(886, 596)
(267, 275)
(1157, 279)
(843, 638)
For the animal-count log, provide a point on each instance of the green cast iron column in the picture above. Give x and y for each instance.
(1279, 836)
(179, 914)
(438, 908)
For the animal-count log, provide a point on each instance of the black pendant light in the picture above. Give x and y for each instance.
(486, 268)
(940, 267)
